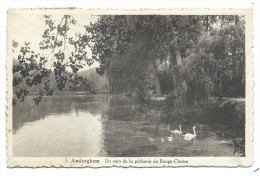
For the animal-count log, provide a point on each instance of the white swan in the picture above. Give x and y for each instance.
(189, 136)
(151, 139)
(170, 138)
(177, 131)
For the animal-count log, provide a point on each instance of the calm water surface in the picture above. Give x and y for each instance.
(86, 125)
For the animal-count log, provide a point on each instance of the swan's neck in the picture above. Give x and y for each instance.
(180, 128)
(194, 131)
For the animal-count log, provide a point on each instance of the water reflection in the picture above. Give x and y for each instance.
(59, 126)
(59, 136)
(72, 125)
(27, 111)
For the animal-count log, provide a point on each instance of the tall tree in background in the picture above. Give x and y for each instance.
(154, 35)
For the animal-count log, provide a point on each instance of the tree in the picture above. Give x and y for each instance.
(155, 35)
(33, 70)
(217, 60)
(204, 54)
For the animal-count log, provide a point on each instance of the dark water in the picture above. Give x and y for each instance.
(86, 125)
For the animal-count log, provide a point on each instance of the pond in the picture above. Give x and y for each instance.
(98, 125)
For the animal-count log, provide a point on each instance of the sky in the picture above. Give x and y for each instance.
(30, 27)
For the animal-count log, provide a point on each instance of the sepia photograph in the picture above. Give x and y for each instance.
(93, 88)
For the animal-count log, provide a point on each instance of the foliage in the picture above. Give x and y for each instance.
(205, 56)
(231, 112)
(216, 66)
(141, 39)
(94, 81)
(166, 81)
(34, 69)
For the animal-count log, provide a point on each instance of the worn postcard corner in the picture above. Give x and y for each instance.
(129, 88)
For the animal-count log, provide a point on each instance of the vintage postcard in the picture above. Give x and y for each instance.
(129, 88)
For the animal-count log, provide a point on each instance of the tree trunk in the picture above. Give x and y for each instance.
(222, 20)
(156, 78)
(156, 128)
(173, 63)
(111, 85)
(207, 22)
(175, 88)
(220, 90)
(219, 85)
(236, 19)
